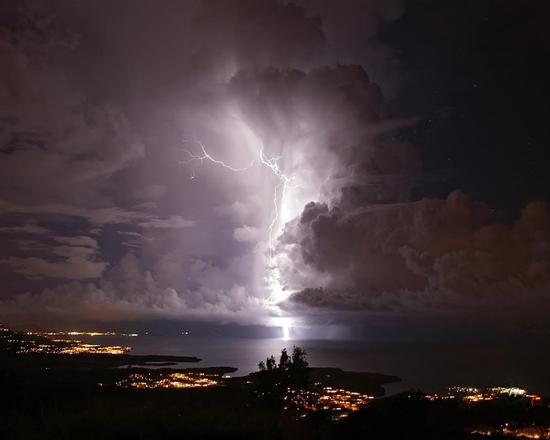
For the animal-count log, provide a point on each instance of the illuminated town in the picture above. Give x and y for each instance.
(339, 402)
(81, 348)
(170, 380)
(474, 395)
(82, 333)
(336, 400)
(42, 343)
(477, 396)
(528, 432)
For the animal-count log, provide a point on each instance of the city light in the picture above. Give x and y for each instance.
(170, 380)
(82, 333)
(525, 432)
(76, 347)
(474, 395)
(339, 401)
(47, 343)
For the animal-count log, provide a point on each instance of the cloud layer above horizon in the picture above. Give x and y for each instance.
(103, 216)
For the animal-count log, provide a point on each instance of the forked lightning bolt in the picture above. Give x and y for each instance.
(206, 156)
(272, 163)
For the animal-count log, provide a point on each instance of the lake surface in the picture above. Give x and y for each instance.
(425, 366)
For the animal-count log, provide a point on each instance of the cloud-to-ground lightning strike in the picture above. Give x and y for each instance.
(278, 194)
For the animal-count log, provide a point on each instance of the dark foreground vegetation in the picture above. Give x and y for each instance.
(43, 397)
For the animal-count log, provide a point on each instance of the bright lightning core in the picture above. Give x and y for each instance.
(284, 182)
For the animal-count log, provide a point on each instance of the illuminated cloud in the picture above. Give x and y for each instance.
(247, 234)
(429, 253)
(102, 216)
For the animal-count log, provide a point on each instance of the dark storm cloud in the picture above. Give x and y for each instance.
(430, 253)
(451, 253)
(351, 28)
(103, 216)
(77, 260)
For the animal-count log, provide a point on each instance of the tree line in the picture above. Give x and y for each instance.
(295, 362)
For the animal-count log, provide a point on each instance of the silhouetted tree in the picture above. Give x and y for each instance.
(299, 361)
(270, 363)
(292, 371)
(286, 363)
(284, 360)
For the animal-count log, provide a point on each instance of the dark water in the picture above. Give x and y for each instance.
(426, 366)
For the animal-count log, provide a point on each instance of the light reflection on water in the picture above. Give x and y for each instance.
(426, 366)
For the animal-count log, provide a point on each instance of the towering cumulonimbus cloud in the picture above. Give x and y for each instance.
(315, 122)
(424, 255)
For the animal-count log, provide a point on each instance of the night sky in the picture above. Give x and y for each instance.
(258, 162)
